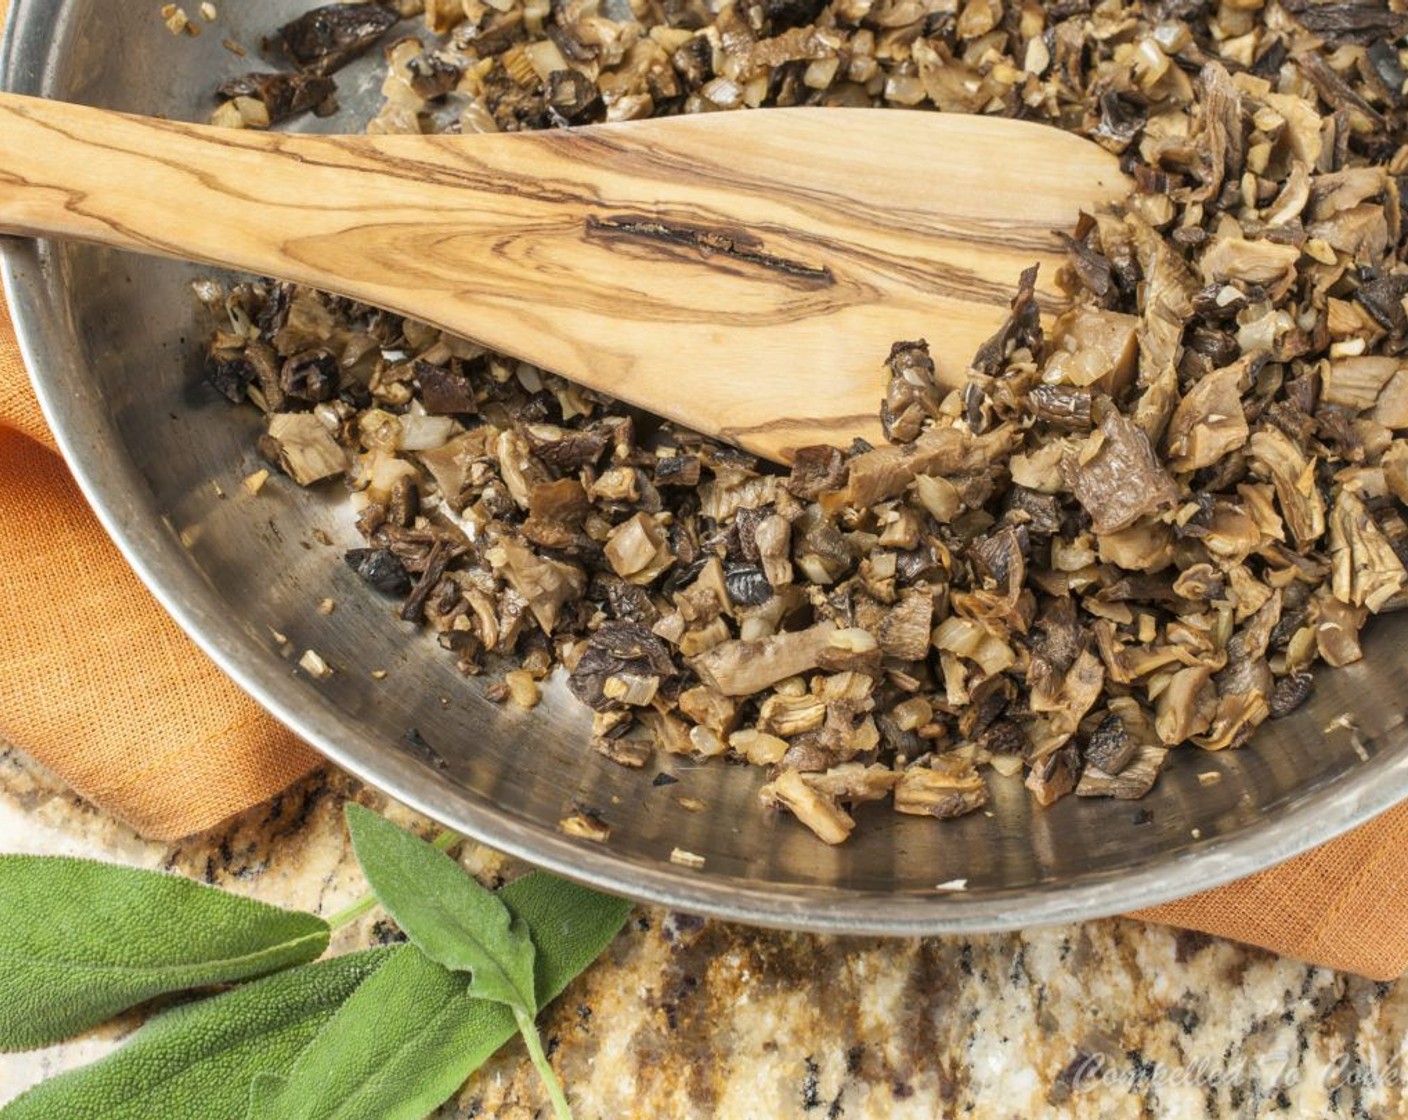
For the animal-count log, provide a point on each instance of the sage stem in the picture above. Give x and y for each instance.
(529, 1030)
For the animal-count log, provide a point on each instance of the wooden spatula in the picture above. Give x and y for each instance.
(743, 273)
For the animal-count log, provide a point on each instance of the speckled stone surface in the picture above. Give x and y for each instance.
(688, 1018)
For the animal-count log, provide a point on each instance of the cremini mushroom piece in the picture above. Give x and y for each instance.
(742, 668)
(304, 448)
(816, 810)
(1092, 348)
(1186, 705)
(923, 792)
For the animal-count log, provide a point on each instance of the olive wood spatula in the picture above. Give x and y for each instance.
(744, 274)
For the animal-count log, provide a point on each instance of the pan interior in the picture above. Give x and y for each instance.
(118, 339)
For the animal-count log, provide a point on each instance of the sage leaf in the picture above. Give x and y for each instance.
(391, 1051)
(414, 1032)
(196, 1061)
(84, 940)
(446, 914)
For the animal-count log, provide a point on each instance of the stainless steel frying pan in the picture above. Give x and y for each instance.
(114, 344)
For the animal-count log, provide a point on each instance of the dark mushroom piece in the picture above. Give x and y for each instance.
(313, 376)
(381, 568)
(1135, 779)
(230, 374)
(444, 391)
(619, 654)
(1055, 775)
(1022, 328)
(1117, 477)
(912, 396)
(1110, 748)
(572, 97)
(326, 39)
(1062, 406)
(433, 75)
(816, 470)
(282, 95)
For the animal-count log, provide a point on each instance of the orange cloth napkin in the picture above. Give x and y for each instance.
(102, 687)
(96, 681)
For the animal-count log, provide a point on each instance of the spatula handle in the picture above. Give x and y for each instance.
(244, 199)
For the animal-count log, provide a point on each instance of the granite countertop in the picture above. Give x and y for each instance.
(690, 1018)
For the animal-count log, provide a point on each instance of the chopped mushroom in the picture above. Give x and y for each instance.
(1255, 262)
(710, 708)
(816, 470)
(742, 668)
(328, 38)
(1061, 406)
(1020, 331)
(1134, 780)
(1208, 423)
(1093, 349)
(772, 537)
(1117, 477)
(816, 810)
(1186, 705)
(1146, 546)
(1135, 530)
(546, 585)
(786, 716)
(1391, 409)
(854, 781)
(1365, 571)
(556, 512)
(886, 471)
(922, 792)
(381, 568)
(619, 654)
(1233, 721)
(282, 95)
(1054, 775)
(1357, 382)
(913, 393)
(1337, 631)
(1291, 692)
(304, 448)
(904, 628)
(1110, 748)
(1293, 475)
(637, 549)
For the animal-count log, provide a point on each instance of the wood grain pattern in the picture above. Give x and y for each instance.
(742, 273)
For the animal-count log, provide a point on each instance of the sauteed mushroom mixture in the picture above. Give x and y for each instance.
(1133, 531)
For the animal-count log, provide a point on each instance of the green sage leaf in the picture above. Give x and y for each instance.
(446, 914)
(391, 1052)
(84, 940)
(414, 1032)
(196, 1062)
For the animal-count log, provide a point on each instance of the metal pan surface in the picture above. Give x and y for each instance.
(114, 342)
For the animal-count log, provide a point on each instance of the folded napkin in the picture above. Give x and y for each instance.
(95, 680)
